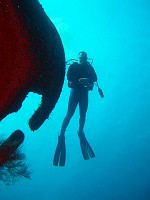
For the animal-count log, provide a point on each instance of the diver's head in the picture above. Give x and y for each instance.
(82, 56)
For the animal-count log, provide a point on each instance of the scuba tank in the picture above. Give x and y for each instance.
(70, 61)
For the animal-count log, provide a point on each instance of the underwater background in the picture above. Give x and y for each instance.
(116, 34)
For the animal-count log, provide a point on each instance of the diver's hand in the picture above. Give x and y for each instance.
(85, 83)
(83, 80)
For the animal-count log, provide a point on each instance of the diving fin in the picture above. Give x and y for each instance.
(86, 149)
(60, 152)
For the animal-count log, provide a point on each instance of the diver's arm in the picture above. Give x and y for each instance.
(70, 84)
(71, 75)
(92, 75)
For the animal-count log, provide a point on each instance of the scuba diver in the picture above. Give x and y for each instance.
(81, 77)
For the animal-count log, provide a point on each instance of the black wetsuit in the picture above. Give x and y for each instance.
(79, 93)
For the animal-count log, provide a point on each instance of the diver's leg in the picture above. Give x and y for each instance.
(86, 149)
(72, 104)
(60, 152)
(83, 106)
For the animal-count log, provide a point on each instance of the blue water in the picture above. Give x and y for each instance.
(116, 34)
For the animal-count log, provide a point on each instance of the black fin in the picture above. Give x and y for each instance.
(86, 149)
(60, 152)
